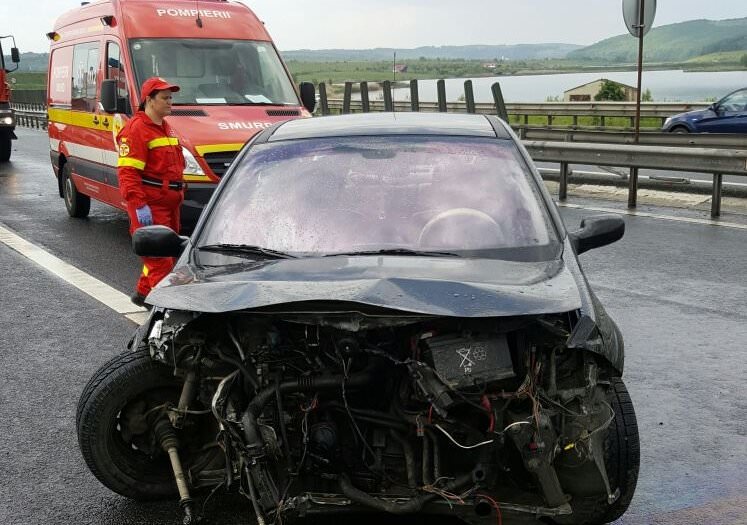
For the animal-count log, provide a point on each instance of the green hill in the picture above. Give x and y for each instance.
(671, 43)
(30, 62)
(475, 52)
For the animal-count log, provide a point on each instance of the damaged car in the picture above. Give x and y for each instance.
(376, 313)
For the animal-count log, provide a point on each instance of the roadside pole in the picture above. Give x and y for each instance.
(638, 18)
(633, 179)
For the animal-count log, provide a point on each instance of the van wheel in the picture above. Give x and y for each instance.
(77, 204)
(5, 146)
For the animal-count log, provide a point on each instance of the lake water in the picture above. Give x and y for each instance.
(665, 86)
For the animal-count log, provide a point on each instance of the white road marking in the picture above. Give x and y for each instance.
(693, 220)
(89, 285)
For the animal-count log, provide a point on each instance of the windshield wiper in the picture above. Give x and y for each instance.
(245, 250)
(397, 251)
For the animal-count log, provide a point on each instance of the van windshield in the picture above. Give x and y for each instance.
(211, 71)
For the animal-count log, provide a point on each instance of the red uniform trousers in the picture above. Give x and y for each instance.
(164, 206)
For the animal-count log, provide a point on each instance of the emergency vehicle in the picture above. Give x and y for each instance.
(232, 79)
(7, 116)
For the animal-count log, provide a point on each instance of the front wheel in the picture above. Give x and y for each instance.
(680, 129)
(77, 204)
(5, 148)
(621, 459)
(116, 442)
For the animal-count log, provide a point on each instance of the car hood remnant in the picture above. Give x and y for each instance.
(455, 287)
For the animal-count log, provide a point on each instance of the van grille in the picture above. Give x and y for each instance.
(283, 112)
(219, 161)
(188, 113)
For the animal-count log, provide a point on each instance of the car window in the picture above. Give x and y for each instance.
(735, 102)
(322, 196)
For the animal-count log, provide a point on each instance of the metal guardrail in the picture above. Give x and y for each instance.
(600, 110)
(30, 115)
(715, 154)
(509, 112)
(718, 162)
(699, 160)
(709, 140)
(522, 112)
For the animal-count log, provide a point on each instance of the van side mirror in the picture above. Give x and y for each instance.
(109, 95)
(158, 241)
(597, 231)
(308, 95)
(15, 55)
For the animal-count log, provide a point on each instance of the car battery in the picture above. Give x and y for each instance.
(466, 361)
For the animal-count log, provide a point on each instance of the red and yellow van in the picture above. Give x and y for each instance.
(233, 84)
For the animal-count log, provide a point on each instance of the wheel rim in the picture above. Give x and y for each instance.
(138, 448)
(68, 192)
(133, 448)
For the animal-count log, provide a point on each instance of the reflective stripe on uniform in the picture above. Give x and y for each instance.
(163, 141)
(128, 162)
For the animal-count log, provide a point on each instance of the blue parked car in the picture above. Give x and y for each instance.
(728, 115)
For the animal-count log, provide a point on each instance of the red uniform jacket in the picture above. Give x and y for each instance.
(147, 151)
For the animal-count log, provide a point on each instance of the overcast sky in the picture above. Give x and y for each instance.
(324, 24)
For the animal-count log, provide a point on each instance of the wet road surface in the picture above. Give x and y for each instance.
(677, 290)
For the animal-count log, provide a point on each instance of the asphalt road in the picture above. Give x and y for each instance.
(677, 289)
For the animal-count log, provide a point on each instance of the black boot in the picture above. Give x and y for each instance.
(139, 300)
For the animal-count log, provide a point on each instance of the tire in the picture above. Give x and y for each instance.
(128, 379)
(77, 204)
(622, 453)
(5, 147)
(680, 129)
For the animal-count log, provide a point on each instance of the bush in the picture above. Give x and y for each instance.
(610, 91)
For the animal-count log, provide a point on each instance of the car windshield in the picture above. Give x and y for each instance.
(402, 195)
(209, 71)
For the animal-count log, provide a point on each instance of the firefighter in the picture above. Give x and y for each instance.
(150, 168)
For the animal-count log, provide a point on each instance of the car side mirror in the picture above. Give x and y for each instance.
(597, 231)
(158, 241)
(15, 55)
(109, 95)
(308, 95)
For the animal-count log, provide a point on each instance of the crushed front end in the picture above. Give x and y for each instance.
(367, 409)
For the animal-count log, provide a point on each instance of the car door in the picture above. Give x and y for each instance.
(114, 69)
(732, 115)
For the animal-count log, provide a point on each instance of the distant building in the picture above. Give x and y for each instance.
(586, 92)
(490, 65)
(399, 68)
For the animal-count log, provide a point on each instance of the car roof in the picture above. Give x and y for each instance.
(382, 124)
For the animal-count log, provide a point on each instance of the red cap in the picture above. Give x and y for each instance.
(155, 84)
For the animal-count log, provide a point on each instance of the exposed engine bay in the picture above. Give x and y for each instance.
(307, 412)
